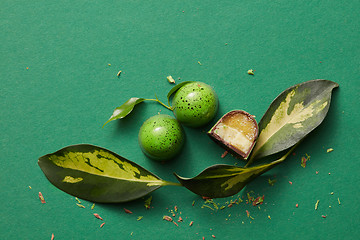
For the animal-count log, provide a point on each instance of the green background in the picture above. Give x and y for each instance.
(69, 91)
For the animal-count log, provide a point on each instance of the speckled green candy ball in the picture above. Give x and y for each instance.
(161, 137)
(195, 104)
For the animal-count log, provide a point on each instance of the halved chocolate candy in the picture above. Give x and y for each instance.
(236, 131)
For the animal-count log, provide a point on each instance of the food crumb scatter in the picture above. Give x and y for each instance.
(167, 218)
(304, 160)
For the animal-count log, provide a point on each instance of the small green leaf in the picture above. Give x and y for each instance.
(225, 180)
(97, 174)
(125, 109)
(175, 88)
(292, 115)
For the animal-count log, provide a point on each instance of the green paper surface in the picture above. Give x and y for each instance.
(59, 85)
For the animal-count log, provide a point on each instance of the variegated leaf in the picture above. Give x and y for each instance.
(224, 180)
(97, 174)
(292, 115)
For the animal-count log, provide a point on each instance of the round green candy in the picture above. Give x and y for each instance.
(161, 137)
(195, 104)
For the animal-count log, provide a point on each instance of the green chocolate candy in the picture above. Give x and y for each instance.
(161, 137)
(195, 104)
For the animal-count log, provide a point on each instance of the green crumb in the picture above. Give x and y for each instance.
(317, 204)
(211, 202)
(304, 160)
(80, 205)
(148, 202)
(207, 207)
(271, 181)
(329, 150)
(250, 72)
(170, 79)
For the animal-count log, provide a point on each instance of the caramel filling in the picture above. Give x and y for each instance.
(238, 130)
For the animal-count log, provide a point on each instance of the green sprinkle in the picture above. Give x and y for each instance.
(317, 204)
(211, 201)
(250, 72)
(329, 150)
(207, 207)
(79, 205)
(139, 218)
(92, 207)
(77, 200)
(271, 182)
(170, 79)
(148, 202)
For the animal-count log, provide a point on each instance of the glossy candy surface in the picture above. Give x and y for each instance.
(195, 104)
(161, 137)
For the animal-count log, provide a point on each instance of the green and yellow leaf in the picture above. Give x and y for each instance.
(224, 180)
(292, 115)
(97, 174)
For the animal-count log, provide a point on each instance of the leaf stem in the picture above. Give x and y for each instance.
(157, 100)
(167, 183)
(280, 159)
